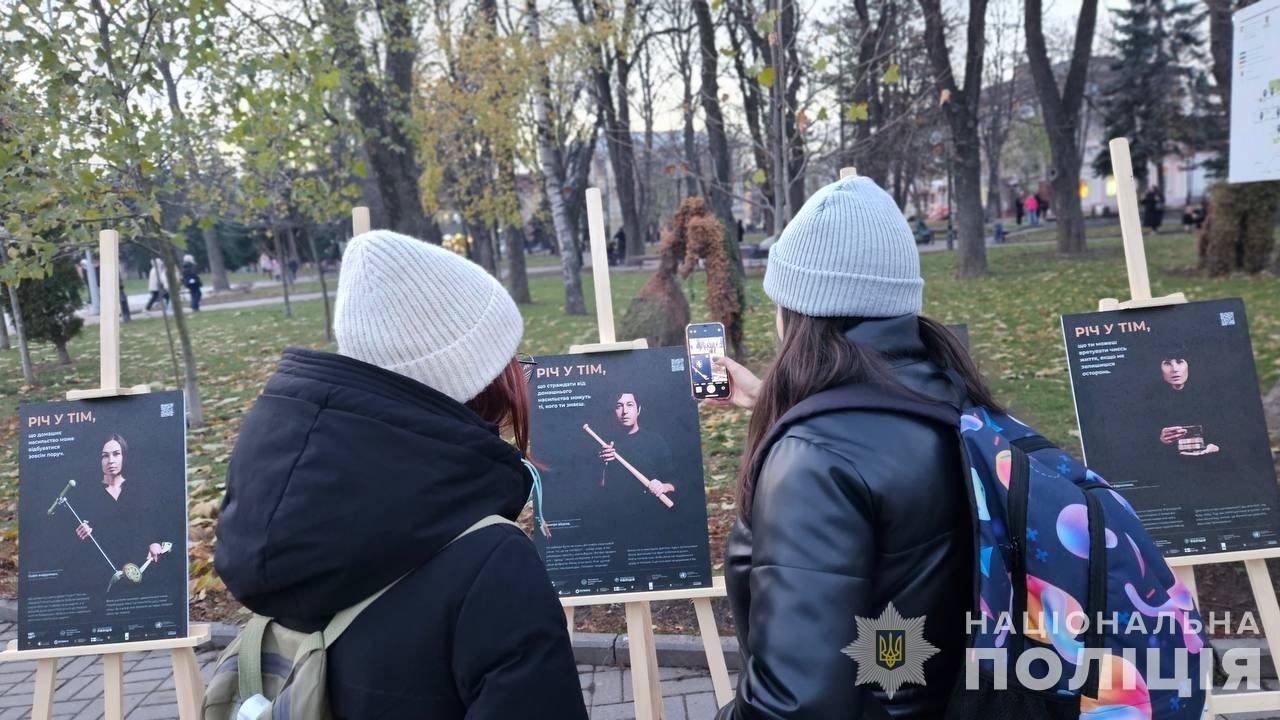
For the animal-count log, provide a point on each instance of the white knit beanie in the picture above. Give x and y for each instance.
(848, 252)
(424, 312)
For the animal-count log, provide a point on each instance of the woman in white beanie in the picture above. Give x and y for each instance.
(845, 508)
(357, 468)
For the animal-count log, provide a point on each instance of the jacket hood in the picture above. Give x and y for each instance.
(345, 477)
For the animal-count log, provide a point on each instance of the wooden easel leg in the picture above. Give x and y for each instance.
(644, 676)
(186, 683)
(1268, 607)
(113, 686)
(655, 679)
(715, 653)
(42, 698)
(568, 620)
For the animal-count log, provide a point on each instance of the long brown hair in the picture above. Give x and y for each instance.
(815, 355)
(506, 404)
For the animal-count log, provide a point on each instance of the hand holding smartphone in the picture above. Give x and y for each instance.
(704, 344)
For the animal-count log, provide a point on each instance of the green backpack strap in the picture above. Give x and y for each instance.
(249, 656)
(344, 618)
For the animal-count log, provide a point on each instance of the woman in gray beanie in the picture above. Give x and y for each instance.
(359, 467)
(846, 509)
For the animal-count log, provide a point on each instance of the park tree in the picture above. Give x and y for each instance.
(101, 64)
(765, 45)
(1006, 89)
(48, 306)
(481, 86)
(1060, 109)
(556, 175)
(616, 34)
(1156, 49)
(1240, 232)
(718, 186)
(961, 106)
(383, 98)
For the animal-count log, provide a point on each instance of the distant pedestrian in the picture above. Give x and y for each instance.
(157, 283)
(1017, 209)
(191, 281)
(1152, 209)
(1032, 206)
(264, 264)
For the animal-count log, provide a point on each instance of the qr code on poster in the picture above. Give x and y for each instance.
(1227, 318)
(677, 364)
(166, 410)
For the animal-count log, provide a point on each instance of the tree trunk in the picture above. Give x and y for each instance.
(284, 275)
(324, 287)
(482, 246)
(694, 170)
(1061, 114)
(553, 175)
(1065, 188)
(191, 385)
(719, 187)
(385, 114)
(217, 266)
(28, 373)
(993, 190)
(64, 357)
(517, 273)
(962, 117)
(623, 157)
(4, 333)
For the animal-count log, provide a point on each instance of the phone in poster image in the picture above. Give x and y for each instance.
(704, 343)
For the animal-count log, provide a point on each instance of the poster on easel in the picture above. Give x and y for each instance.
(102, 521)
(1170, 414)
(622, 507)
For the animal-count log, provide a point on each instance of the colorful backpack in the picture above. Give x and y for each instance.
(270, 671)
(1054, 543)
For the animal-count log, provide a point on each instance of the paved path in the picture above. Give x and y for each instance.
(149, 694)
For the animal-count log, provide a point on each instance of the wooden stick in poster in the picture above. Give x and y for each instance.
(644, 480)
(360, 220)
(1135, 256)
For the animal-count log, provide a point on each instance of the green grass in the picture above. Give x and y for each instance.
(1012, 315)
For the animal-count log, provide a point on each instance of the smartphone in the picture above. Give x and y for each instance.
(704, 343)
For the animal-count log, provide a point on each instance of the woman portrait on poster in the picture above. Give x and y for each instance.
(111, 516)
(1179, 398)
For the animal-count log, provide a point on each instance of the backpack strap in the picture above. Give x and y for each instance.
(249, 656)
(344, 618)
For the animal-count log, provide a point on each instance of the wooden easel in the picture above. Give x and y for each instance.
(186, 672)
(644, 656)
(1255, 561)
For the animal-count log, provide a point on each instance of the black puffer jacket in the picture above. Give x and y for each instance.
(853, 509)
(346, 477)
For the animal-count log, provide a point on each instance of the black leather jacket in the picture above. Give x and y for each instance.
(853, 509)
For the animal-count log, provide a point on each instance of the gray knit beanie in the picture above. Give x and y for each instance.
(424, 312)
(847, 253)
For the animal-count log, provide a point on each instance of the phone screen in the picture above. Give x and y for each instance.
(705, 343)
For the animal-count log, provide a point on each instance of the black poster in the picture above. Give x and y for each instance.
(102, 521)
(621, 506)
(1171, 416)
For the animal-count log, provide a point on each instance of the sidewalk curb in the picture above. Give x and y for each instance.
(604, 649)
